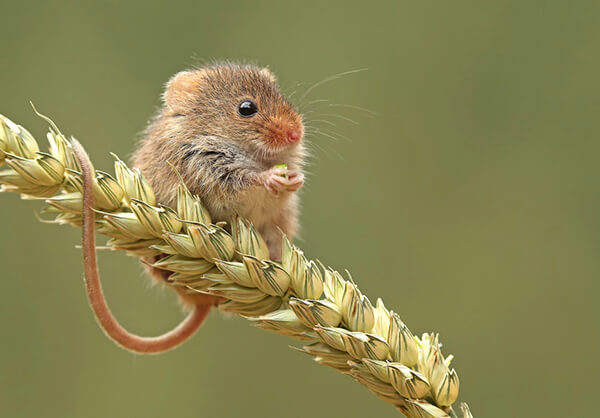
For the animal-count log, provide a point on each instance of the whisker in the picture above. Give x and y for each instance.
(328, 79)
(332, 150)
(338, 135)
(340, 117)
(290, 96)
(319, 147)
(328, 135)
(316, 101)
(303, 107)
(370, 112)
(312, 129)
(330, 123)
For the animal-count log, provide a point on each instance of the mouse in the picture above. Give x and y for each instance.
(227, 132)
(223, 129)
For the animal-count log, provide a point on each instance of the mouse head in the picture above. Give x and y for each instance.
(236, 102)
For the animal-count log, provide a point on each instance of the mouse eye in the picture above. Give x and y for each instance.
(247, 108)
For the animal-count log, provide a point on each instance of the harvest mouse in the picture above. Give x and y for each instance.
(224, 128)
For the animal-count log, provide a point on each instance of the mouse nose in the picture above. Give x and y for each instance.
(293, 135)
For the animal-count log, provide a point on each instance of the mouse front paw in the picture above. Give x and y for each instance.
(280, 180)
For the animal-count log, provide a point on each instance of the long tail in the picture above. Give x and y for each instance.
(108, 323)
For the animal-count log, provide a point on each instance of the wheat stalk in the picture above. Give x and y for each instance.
(296, 297)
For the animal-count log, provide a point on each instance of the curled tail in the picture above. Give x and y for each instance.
(108, 323)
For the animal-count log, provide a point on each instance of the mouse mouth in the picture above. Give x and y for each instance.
(272, 146)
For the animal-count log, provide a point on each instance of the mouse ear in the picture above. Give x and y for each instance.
(181, 90)
(267, 73)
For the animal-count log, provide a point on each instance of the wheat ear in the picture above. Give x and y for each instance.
(296, 297)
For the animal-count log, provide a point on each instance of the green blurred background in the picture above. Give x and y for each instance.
(468, 200)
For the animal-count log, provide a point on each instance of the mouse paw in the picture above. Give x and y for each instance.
(279, 180)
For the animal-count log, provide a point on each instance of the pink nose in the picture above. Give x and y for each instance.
(293, 135)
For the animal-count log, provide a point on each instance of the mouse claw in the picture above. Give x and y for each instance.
(295, 181)
(279, 180)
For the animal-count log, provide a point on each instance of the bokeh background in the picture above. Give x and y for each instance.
(466, 196)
